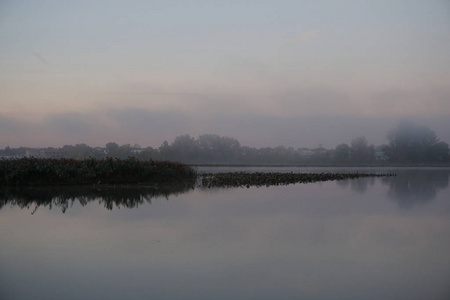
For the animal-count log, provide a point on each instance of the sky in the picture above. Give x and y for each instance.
(269, 73)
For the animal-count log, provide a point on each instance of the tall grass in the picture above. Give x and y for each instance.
(40, 171)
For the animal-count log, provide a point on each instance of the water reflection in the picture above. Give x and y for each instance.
(416, 187)
(321, 241)
(408, 188)
(109, 196)
(360, 186)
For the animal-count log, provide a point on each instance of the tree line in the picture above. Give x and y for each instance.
(408, 143)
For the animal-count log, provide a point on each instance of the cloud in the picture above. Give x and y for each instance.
(425, 101)
(260, 130)
(145, 120)
(131, 125)
(70, 123)
(11, 125)
(53, 130)
(95, 128)
(312, 100)
(303, 37)
(149, 127)
(41, 58)
(17, 132)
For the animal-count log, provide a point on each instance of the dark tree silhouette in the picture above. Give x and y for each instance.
(342, 153)
(412, 143)
(360, 151)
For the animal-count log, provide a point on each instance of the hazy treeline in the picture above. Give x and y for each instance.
(407, 143)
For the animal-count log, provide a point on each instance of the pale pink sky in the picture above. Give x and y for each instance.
(297, 73)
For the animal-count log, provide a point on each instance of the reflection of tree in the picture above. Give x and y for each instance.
(413, 187)
(360, 185)
(343, 183)
(64, 197)
(408, 187)
(357, 185)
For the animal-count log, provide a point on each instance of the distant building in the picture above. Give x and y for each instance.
(304, 152)
(46, 153)
(136, 150)
(380, 156)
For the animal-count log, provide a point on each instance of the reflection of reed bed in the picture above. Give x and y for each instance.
(109, 195)
(52, 172)
(243, 179)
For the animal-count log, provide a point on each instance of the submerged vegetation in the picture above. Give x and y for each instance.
(54, 172)
(243, 179)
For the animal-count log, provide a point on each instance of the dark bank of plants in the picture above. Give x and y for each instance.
(42, 171)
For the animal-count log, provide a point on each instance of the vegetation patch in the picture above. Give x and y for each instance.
(53, 172)
(243, 179)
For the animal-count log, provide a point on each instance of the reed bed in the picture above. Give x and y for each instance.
(49, 172)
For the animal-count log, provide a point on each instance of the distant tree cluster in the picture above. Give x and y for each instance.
(411, 143)
(83, 151)
(208, 148)
(408, 144)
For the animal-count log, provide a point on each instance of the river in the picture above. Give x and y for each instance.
(368, 238)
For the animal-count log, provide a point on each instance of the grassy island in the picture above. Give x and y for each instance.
(57, 172)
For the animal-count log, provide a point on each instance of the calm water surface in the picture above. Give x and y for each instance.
(372, 238)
